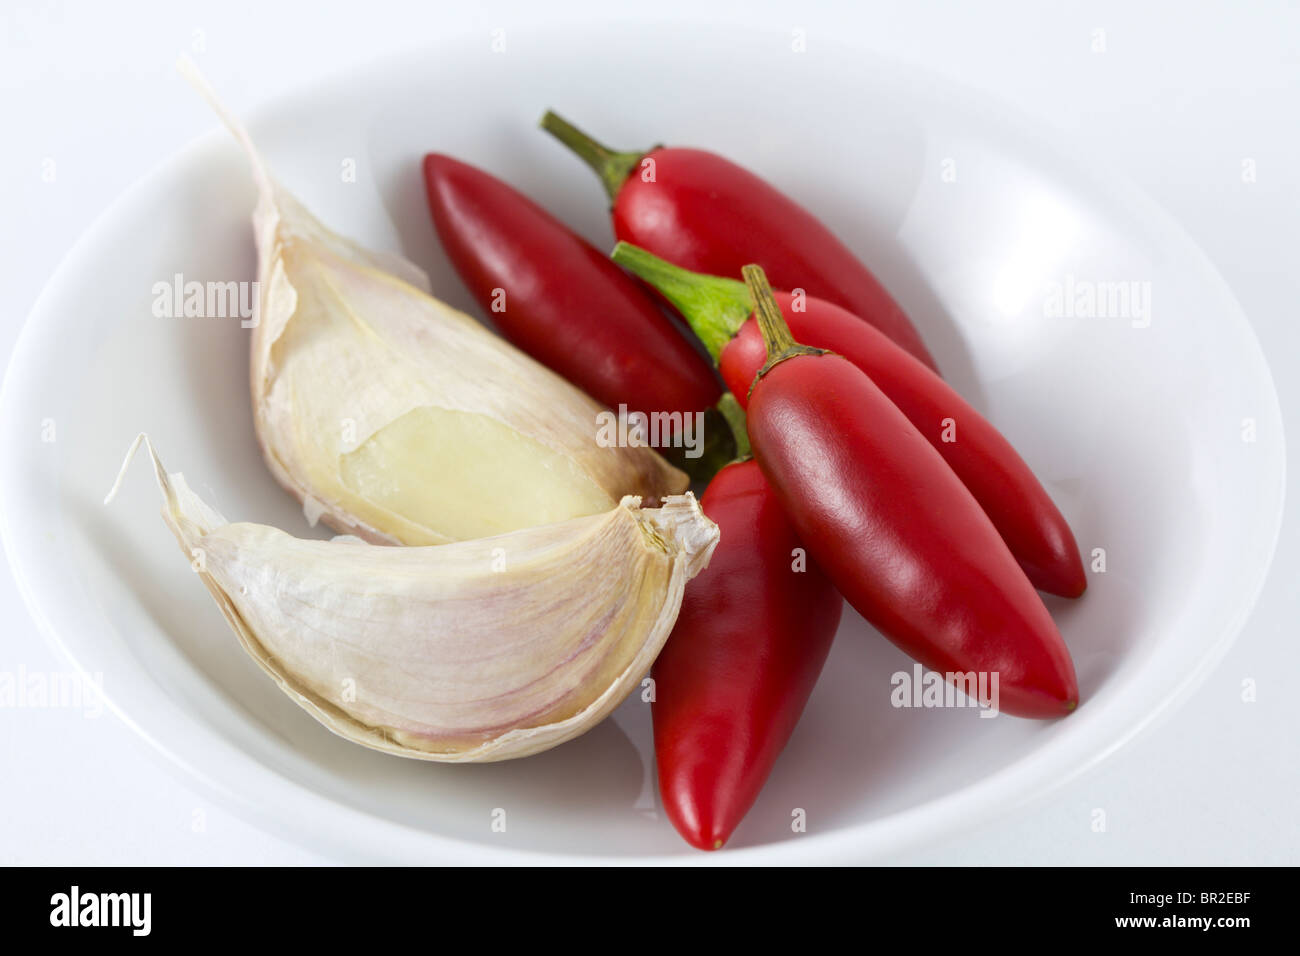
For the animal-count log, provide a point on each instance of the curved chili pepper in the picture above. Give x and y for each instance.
(558, 298)
(751, 638)
(705, 213)
(894, 528)
(720, 311)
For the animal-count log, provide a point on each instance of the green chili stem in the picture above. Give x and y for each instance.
(714, 307)
(735, 416)
(611, 166)
(777, 338)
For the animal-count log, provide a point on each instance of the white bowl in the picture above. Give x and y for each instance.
(965, 211)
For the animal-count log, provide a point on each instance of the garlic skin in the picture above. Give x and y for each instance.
(474, 651)
(396, 418)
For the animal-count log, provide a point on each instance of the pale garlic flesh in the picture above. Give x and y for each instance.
(399, 419)
(474, 651)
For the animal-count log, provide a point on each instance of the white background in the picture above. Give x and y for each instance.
(1182, 95)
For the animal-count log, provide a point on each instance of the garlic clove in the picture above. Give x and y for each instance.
(398, 419)
(475, 651)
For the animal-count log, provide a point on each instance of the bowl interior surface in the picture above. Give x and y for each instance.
(1150, 416)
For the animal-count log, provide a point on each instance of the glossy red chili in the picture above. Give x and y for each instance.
(558, 298)
(705, 213)
(751, 638)
(720, 312)
(893, 527)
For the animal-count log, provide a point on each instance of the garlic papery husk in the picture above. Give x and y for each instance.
(479, 650)
(396, 418)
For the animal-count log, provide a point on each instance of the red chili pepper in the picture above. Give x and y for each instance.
(705, 213)
(750, 640)
(720, 311)
(560, 299)
(894, 528)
